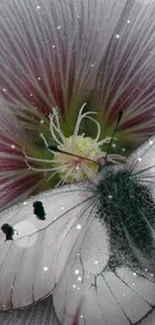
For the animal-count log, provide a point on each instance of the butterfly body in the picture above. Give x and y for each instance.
(128, 210)
(97, 242)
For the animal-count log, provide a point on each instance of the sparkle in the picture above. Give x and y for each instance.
(74, 286)
(42, 122)
(151, 141)
(77, 272)
(53, 46)
(62, 208)
(110, 196)
(38, 7)
(24, 203)
(128, 21)
(39, 78)
(134, 273)
(45, 268)
(79, 278)
(78, 227)
(124, 294)
(133, 284)
(4, 89)
(12, 146)
(96, 262)
(139, 159)
(31, 95)
(117, 36)
(59, 27)
(81, 316)
(114, 145)
(152, 274)
(123, 149)
(92, 65)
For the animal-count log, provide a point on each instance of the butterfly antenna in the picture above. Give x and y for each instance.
(54, 147)
(112, 137)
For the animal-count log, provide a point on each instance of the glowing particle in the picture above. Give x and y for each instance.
(45, 268)
(117, 36)
(77, 272)
(78, 227)
(79, 278)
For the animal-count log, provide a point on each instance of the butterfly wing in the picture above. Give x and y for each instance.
(141, 163)
(32, 263)
(109, 297)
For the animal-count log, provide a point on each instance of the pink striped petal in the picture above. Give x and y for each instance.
(50, 52)
(126, 78)
(17, 182)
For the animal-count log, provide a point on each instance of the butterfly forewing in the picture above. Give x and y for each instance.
(32, 263)
(141, 163)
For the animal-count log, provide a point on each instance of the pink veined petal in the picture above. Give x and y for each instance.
(126, 78)
(17, 182)
(77, 315)
(50, 52)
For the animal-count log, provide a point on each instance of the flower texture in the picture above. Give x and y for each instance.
(55, 56)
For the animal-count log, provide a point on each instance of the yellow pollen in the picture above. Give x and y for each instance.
(74, 168)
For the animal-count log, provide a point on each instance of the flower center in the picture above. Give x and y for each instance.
(74, 168)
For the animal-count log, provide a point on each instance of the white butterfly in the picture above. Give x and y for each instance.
(97, 242)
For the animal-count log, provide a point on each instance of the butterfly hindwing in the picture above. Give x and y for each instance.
(109, 297)
(38, 253)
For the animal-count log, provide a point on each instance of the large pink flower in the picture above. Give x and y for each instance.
(67, 53)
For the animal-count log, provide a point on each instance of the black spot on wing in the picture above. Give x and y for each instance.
(8, 231)
(39, 210)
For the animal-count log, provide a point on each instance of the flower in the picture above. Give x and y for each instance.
(64, 54)
(75, 158)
